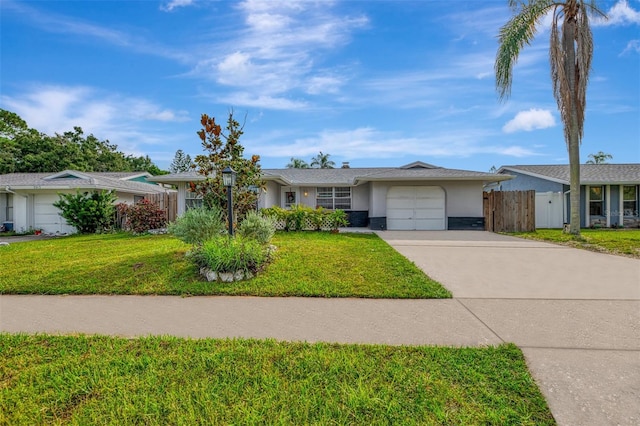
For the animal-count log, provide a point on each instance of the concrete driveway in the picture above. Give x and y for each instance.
(574, 313)
(486, 265)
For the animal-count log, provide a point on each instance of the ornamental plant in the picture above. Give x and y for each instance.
(198, 225)
(257, 227)
(225, 254)
(142, 216)
(89, 212)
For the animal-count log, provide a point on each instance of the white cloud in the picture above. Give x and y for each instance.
(632, 46)
(620, 14)
(261, 101)
(368, 142)
(277, 51)
(169, 6)
(121, 119)
(530, 120)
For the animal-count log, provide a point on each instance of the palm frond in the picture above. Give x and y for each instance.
(520, 30)
(584, 53)
(559, 79)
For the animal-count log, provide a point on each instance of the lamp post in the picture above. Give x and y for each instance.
(228, 180)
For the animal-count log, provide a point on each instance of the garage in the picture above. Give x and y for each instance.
(416, 208)
(47, 217)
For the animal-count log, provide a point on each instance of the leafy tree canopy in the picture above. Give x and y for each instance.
(297, 163)
(322, 161)
(224, 149)
(599, 158)
(181, 162)
(26, 150)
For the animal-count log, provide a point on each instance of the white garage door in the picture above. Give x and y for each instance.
(415, 208)
(47, 217)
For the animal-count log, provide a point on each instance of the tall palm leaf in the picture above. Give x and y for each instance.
(570, 53)
(322, 161)
(297, 163)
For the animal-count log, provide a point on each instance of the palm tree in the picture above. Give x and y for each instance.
(599, 158)
(297, 163)
(570, 55)
(322, 161)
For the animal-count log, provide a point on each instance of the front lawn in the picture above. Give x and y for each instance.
(317, 264)
(624, 242)
(153, 381)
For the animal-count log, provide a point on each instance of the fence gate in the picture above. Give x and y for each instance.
(509, 211)
(168, 202)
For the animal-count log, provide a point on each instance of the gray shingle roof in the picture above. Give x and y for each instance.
(354, 176)
(351, 176)
(590, 174)
(84, 181)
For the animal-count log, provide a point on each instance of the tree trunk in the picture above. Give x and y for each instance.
(572, 122)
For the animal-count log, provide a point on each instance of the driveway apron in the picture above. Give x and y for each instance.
(575, 314)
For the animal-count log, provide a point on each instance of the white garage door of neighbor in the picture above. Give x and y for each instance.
(47, 217)
(415, 208)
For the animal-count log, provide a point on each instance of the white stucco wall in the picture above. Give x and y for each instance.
(360, 197)
(20, 212)
(271, 197)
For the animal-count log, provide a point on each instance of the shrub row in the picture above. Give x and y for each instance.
(299, 218)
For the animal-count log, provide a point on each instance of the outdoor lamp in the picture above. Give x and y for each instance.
(228, 180)
(228, 176)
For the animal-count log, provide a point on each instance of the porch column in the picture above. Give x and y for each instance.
(607, 203)
(621, 206)
(587, 217)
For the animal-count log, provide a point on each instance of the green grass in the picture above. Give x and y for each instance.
(317, 264)
(102, 380)
(624, 242)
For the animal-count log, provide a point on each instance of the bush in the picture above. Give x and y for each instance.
(142, 216)
(198, 225)
(257, 227)
(301, 217)
(224, 254)
(88, 212)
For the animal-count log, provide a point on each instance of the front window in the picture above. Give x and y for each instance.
(595, 201)
(192, 200)
(333, 198)
(289, 199)
(630, 200)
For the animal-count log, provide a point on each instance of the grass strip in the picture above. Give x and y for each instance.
(104, 380)
(622, 242)
(313, 264)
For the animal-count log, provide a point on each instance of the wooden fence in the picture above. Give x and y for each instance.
(510, 211)
(168, 202)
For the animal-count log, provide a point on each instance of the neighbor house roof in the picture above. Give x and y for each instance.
(416, 171)
(191, 176)
(590, 174)
(72, 179)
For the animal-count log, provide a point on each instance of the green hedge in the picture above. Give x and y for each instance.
(301, 218)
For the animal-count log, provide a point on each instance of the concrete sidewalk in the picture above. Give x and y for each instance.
(581, 340)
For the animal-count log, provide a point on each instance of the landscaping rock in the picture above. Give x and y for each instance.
(4, 243)
(225, 277)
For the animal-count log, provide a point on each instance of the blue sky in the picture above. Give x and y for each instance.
(375, 83)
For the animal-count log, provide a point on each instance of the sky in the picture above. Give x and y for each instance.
(372, 83)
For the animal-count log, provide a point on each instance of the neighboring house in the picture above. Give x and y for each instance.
(416, 196)
(26, 199)
(608, 193)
